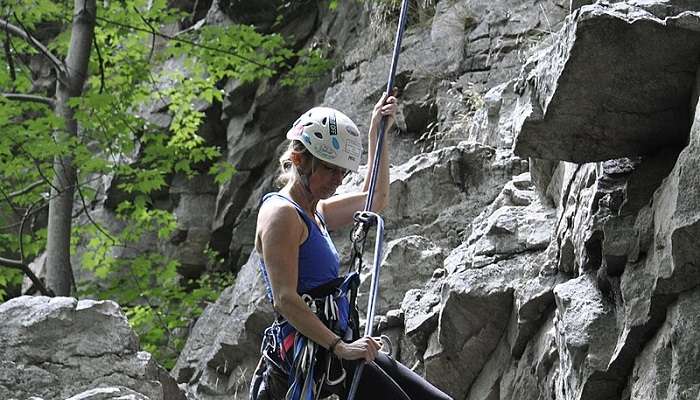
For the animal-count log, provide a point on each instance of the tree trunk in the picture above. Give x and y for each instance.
(59, 272)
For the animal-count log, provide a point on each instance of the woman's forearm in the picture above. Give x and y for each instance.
(381, 195)
(295, 310)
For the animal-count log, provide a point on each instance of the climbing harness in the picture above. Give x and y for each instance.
(308, 367)
(366, 219)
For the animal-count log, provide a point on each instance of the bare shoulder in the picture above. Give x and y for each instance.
(278, 220)
(274, 210)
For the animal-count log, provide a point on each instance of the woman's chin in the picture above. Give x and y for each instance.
(328, 194)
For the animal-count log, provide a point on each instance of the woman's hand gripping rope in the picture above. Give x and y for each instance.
(363, 348)
(385, 107)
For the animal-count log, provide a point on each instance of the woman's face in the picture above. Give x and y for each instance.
(325, 179)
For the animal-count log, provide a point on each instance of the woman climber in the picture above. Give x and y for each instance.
(309, 351)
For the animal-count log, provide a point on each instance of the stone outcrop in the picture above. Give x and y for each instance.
(616, 83)
(109, 393)
(223, 349)
(491, 289)
(668, 366)
(60, 348)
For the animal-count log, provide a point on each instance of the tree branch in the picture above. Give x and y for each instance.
(33, 212)
(27, 189)
(30, 98)
(10, 60)
(16, 264)
(101, 63)
(17, 31)
(153, 33)
(6, 262)
(37, 164)
(8, 199)
(89, 217)
(27, 213)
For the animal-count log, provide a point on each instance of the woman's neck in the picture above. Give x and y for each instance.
(302, 196)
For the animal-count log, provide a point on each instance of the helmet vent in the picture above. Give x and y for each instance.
(323, 121)
(318, 135)
(308, 123)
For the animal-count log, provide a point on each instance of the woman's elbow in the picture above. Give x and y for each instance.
(379, 203)
(282, 302)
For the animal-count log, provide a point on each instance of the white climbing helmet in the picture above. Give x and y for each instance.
(330, 136)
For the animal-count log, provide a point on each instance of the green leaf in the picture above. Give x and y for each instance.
(222, 171)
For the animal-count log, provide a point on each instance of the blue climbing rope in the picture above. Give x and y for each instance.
(389, 87)
(367, 218)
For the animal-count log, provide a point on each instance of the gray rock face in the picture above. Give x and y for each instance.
(533, 376)
(586, 328)
(669, 366)
(662, 267)
(616, 228)
(222, 351)
(639, 71)
(408, 263)
(55, 348)
(475, 311)
(439, 193)
(487, 284)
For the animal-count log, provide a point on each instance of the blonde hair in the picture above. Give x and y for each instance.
(288, 172)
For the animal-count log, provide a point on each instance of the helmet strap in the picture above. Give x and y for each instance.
(304, 177)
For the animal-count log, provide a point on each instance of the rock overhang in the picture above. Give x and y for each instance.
(618, 82)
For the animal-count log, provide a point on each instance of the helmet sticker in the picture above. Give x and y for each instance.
(336, 145)
(306, 138)
(326, 151)
(353, 148)
(333, 126)
(297, 130)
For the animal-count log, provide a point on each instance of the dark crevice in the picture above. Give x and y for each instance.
(510, 256)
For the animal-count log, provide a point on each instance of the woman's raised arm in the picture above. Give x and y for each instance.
(338, 210)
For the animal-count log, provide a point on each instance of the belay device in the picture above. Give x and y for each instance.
(364, 220)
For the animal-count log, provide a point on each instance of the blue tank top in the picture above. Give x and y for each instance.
(318, 259)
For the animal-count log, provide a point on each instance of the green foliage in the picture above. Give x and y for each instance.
(222, 172)
(146, 283)
(116, 139)
(161, 326)
(9, 278)
(33, 12)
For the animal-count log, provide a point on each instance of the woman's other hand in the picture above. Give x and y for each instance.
(385, 107)
(363, 348)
